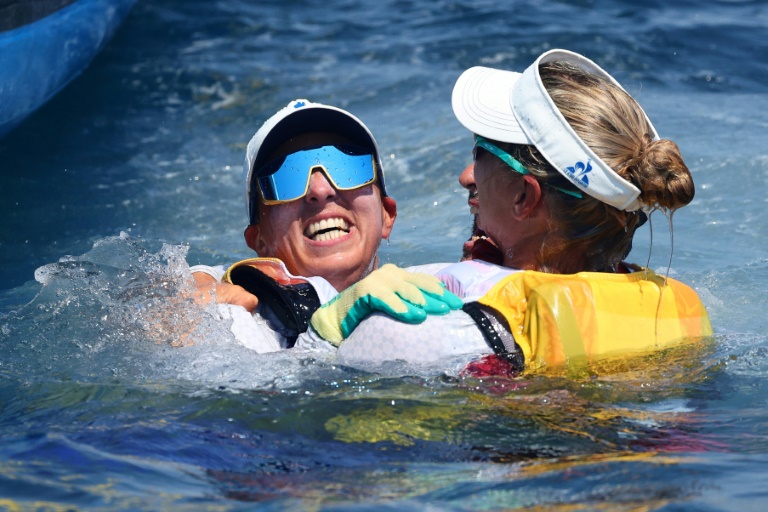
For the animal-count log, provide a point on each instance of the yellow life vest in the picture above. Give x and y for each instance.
(580, 318)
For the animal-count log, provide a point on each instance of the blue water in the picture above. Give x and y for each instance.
(133, 171)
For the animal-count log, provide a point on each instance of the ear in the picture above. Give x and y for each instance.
(388, 214)
(528, 199)
(253, 239)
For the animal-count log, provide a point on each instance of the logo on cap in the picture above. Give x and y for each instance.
(299, 104)
(579, 172)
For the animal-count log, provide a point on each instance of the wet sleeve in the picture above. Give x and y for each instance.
(250, 329)
(381, 338)
(216, 272)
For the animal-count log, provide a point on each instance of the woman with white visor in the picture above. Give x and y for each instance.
(566, 165)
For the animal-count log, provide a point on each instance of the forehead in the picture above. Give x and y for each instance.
(308, 140)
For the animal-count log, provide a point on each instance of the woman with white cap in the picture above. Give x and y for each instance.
(317, 211)
(566, 165)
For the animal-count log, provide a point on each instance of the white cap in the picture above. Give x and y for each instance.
(515, 107)
(298, 117)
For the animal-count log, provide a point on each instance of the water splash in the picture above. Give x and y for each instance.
(124, 311)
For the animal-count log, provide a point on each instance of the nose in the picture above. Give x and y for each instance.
(467, 176)
(320, 189)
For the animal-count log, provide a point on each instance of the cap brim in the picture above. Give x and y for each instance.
(481, 104)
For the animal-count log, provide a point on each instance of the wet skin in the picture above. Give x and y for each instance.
(330, 233)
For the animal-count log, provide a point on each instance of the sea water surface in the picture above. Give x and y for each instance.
(133, 173)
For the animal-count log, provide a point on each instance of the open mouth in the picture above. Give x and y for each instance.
(480, 247)
(479, 234)
(327, 229)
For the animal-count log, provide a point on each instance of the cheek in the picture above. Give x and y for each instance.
(365, 205)
(495, 182)
(369, 218)
(277, 221)
(485, 185)
(285, 213)
(494, 194)
(482, 172)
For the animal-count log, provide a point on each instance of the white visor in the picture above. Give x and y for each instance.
(515, 107)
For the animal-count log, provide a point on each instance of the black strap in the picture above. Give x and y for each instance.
(292, 305)
(495, 329)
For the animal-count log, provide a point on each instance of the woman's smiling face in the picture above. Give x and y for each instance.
(330, 233)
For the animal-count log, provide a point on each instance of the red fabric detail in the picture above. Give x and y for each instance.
(490, 366)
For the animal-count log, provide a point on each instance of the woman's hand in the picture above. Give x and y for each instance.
(208, 289)
(405, 296)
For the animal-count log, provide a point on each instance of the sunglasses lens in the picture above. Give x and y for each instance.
(287, 179)
(290, 182)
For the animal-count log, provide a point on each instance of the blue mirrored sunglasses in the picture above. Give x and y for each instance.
(287, 179)
(481, 142)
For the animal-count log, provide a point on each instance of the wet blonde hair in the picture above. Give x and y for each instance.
(587, 234)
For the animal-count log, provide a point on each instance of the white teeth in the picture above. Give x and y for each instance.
(327, 229)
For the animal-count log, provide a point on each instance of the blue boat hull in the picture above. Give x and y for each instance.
(41, 56)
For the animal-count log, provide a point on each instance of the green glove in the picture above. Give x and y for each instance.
(406, 296)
